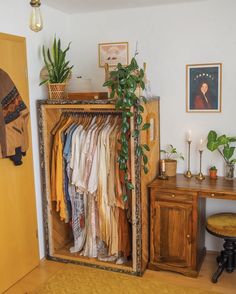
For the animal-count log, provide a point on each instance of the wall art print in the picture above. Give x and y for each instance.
(113, 53)
(203, 87)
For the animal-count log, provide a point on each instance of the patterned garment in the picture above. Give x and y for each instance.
(14, 117)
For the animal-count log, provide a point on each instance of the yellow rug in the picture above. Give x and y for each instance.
(74, 279)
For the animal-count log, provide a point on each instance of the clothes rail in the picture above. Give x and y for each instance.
(90, 112)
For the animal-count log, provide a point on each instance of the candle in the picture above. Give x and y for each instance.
(163, 166)
(189, 136)
(201, 145)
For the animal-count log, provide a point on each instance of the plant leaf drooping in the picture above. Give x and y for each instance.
(123, 82)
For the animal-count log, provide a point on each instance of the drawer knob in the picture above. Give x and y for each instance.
(173, 195)
(212, 194)
(188, 236)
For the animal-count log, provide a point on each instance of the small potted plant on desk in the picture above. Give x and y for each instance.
(171, 156)
(213, 172)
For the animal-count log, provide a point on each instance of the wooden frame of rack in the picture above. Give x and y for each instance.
(49, 112)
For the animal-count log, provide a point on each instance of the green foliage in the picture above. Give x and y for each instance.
(172, 153)
(213, 167)
(55, 61)
(222, 145)
(123, 82)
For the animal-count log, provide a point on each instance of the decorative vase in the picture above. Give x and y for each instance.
(170, 167)
(229, 171)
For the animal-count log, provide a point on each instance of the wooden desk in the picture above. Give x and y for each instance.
(177, 221)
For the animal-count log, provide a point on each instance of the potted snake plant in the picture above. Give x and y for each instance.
(58, 69)
(125, 83)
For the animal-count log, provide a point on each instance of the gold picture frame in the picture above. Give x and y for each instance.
(113, 53)
(204, 87)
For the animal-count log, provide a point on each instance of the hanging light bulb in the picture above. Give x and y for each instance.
(36, 21)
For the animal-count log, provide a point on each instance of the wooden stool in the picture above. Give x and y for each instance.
(223, 225)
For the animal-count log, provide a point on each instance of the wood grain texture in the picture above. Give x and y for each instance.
(152, 138)
(56, 232)
(178, 208)
(88, 96)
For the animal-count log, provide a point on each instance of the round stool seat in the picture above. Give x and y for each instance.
(223, 224)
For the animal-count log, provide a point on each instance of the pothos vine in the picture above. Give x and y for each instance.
(124, 81)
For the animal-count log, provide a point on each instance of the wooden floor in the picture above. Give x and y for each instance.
(225, 285)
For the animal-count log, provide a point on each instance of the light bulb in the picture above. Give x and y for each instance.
(36, 21)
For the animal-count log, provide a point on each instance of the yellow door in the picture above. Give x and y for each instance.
(18, 225)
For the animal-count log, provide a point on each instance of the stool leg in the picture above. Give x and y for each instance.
(222, 260)
(234, 254)
(229, 250)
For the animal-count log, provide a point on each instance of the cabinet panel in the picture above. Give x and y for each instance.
(171, 231)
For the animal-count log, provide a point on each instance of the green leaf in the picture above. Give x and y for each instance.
(232, 139)
(139, 151)
(108, 83)
(212, 136)
(122, 166)
(129, 114)
(145, 146)
(145, 159)
(125, 198)
(136, 133)
(142, 85)
(130, 186)
(228, 152)
(139, 119)
(222, 140)
(146, 126)
(141, 108)
(145, 169)
(212, 146)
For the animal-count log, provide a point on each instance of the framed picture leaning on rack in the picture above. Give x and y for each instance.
(203, 87)
(113, 53)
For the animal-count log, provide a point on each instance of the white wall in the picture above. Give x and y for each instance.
(14, 19)
(169, 37)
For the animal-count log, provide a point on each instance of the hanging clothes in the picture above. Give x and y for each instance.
(84, 180)
(14, 117)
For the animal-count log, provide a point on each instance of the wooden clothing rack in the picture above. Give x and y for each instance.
(57, 236)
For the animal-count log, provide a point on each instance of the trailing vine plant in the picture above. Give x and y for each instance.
(123, 82)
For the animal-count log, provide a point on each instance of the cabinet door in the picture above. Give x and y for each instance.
(171, 228)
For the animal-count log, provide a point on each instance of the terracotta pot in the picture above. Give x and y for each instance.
(170, 166)
(213, 173)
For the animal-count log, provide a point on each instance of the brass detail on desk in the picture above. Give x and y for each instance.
(188, 173)
(173, 195)
(188, 236)
(212, 195)
(200, 176)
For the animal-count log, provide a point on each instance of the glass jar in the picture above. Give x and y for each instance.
(229, 171)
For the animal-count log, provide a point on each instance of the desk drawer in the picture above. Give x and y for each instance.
(172, 195)
(217, 195)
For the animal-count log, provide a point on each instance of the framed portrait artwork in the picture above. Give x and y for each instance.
(203, 87)
(113, 53)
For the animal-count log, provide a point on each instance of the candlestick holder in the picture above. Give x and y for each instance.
(200, 176)
(188, 173)
(162, 175)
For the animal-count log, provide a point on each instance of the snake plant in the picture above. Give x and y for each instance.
(55, 61)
